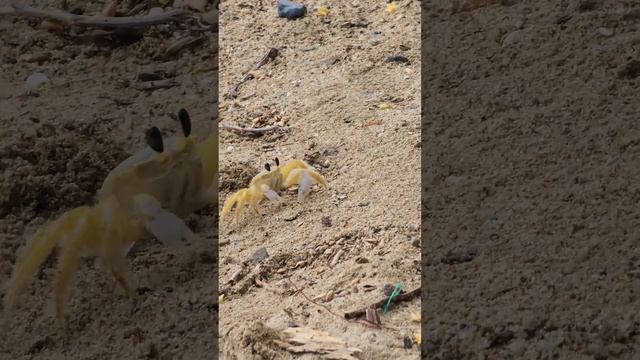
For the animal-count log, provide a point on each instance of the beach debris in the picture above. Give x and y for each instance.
(323, 11)
(35, 81)
(388, 300)
(392, 7)
(397, 59)
(291, 10)
(300, 340)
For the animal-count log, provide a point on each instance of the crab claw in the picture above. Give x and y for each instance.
(163, 224)
(270, 194)
(300, 173)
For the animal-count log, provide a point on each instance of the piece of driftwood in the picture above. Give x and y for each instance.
(18, 8)
(301, 340)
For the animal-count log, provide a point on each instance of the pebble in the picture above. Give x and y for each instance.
(513, 38)
(259, 255)
(35, 81)
(517, 347)
(37, 57)
(290, 10)
(375, 38)
(330, 152)
(518, 23)
(606, 32)
(397, 59)
(408, 343)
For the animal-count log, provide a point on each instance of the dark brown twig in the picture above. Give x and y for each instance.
(20, 9)
(403, 297)
(233, 92)
(159, 84)
(250, 131)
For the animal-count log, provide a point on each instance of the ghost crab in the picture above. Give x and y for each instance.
(151, 190)
(269, 181)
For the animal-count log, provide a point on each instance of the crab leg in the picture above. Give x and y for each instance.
(241, 203)
(67, 266)
(37, 250)
(231, 201)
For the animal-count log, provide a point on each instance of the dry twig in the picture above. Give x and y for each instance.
(250, 131)
(158, 84)
(233, 92)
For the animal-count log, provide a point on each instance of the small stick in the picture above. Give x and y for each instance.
(295, 288)
(182, 43)
(250, 131)
(99, 21)
(233, 92)
(158, 84)
(403, 297)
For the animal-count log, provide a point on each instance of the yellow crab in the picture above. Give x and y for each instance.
(269, 181)
(152, 190)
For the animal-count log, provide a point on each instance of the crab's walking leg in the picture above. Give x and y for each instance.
(228, 205)
(118, 265)
(254, 205)
(241, 203)
(37, 251)
(77, 239)
(67, 266)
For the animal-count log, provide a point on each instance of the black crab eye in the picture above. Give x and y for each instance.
(154, 139)
(185, 122)
(267, 166)
(277, 162)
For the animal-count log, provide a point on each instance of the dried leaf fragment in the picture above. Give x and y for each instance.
(323, 11)
(392, 7)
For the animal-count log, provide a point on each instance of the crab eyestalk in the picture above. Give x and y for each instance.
(208, 152)
(185, 122)
(154, 139)
(267, 166)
